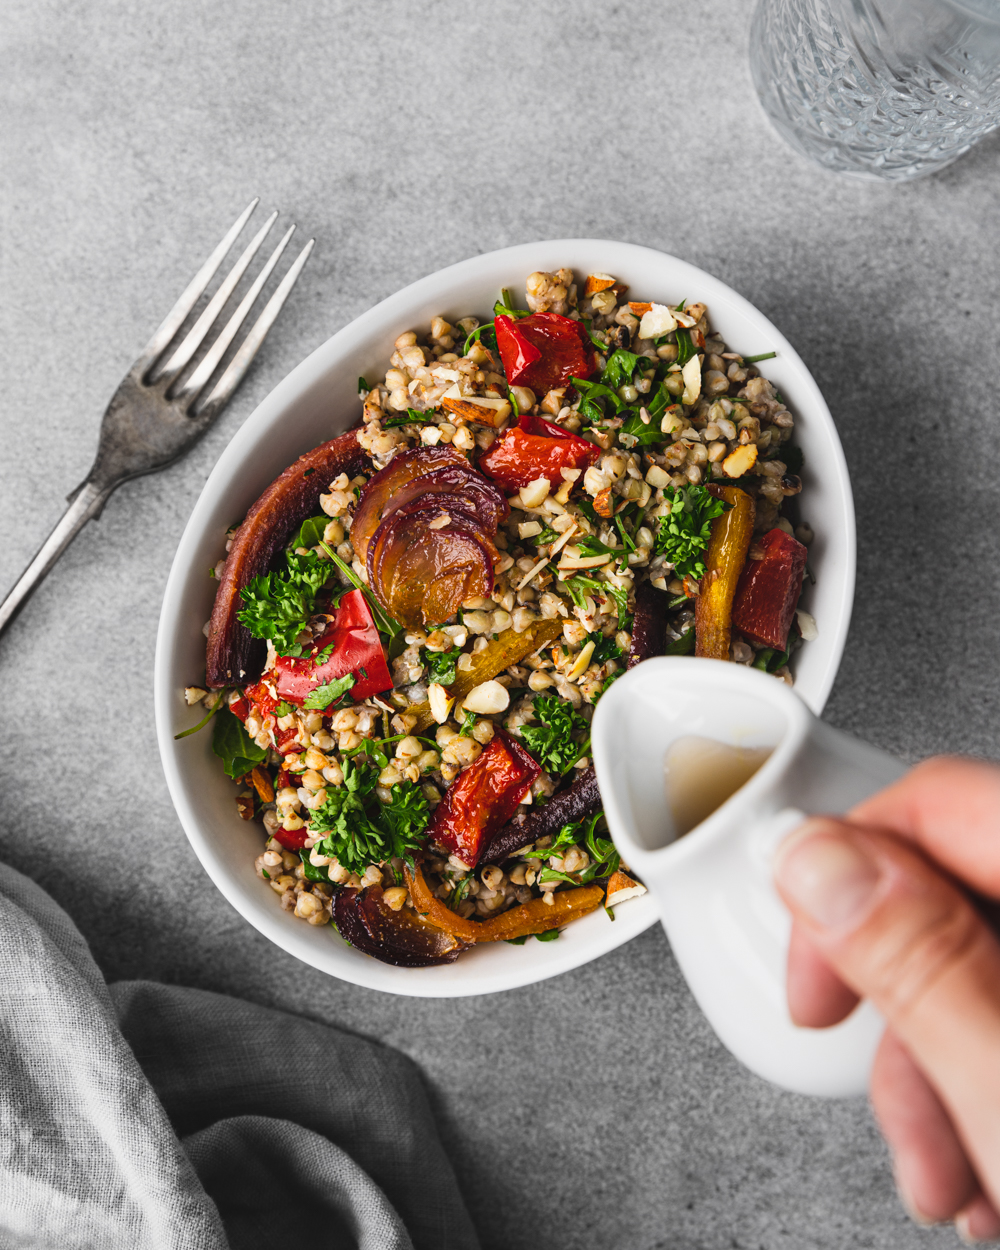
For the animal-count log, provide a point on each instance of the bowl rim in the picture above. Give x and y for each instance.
(548, 959)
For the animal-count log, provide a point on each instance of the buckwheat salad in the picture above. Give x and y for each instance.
(415, 621)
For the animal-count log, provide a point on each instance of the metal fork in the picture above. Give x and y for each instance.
(151, 421)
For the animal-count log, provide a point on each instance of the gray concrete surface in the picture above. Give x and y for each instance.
(596, 1110)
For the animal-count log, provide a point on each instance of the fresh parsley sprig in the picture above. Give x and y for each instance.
(685, 532)
(441, 665)
(360, 828)
(279, 605)
(552, 742)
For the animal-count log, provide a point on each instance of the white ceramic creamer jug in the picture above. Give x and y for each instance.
(728, 928)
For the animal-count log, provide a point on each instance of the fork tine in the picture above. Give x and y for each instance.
(250, 345)
(207, 367)
(175, 318)
(193, 339)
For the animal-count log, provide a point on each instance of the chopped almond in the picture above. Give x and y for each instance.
(481, 410)
(262, 784)
(697, 311)
(740, 461)
(621, 888)
(244, 805)
(656, 321)
(637, 308)
(602, 503)
(598, 282)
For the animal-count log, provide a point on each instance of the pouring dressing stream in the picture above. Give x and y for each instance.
(753, 761)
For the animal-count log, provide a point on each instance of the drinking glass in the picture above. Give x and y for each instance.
(879, 89)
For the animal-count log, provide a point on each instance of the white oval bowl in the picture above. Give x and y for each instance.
(318, 400)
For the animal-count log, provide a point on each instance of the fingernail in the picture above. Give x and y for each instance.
(977, 1227)
(826, 875)
(912, 1210)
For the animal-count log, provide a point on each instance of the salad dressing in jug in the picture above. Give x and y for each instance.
(700, 774)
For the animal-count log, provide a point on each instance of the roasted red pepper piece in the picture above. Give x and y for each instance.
(536, 448)
(240, 708)
(262, 699)
(544, 350)
(482, 798)
(769, 590)
(355, 649)
(291, 839)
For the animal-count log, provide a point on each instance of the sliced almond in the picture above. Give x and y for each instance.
(582, 662)
(684, 318)
(439, 701)
(691, 373)
(262, 784)
(568, 562)
(637, 308)
(532, 572)
(478, 409)
(740, 461)
(621, 888)
(598, 282)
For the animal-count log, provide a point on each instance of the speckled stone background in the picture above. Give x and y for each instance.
(596, 1110)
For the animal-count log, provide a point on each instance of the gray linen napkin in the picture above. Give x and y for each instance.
(151, 1117)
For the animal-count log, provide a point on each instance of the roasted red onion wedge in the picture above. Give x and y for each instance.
(422, 471)
(427, 559)
(365, 920)
(233, 656)
(582, 798)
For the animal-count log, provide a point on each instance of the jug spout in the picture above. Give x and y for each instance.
(712, 882)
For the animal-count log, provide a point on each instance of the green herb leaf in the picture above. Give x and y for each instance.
(620, 367)
(549, 935)
(604, 648)
(552, 743)
(360, 829)
(384, 623)
(220, 703)
(278, 605)
(284, 709)
(234, 746)
(412, 418)
(323, 696)
(684, 534)
(684, 645)
(791, 457)
(685, 348)
(645, 433)
(441, 665)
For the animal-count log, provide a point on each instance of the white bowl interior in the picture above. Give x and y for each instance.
(319, 400)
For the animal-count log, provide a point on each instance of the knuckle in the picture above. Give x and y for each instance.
(920, 959)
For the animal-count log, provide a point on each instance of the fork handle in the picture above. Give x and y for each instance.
(86, 504)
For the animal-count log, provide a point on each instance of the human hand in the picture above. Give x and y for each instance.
(879, 911)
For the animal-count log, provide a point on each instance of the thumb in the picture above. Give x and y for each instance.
(901, 934)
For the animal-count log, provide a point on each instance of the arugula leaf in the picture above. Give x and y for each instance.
(658, 404)
(609, 680)
(468, 725)
(593, 395)
(604, 648)
(791, 457)
(620, 367)
(477, 336)
(549, 935)
(645, 433)
(220, 703)
(441, 665)
(278, 605)
(412, 418)
(504, 307)
(548, 535)
(384, 623)
(323, 696)
(311, 871)
(551, 742)
(234, 746)
(360, 828)
(685, 348)
(310, 532)
(684, 534)
(594, 547)
(683, 645)
(363, 386)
